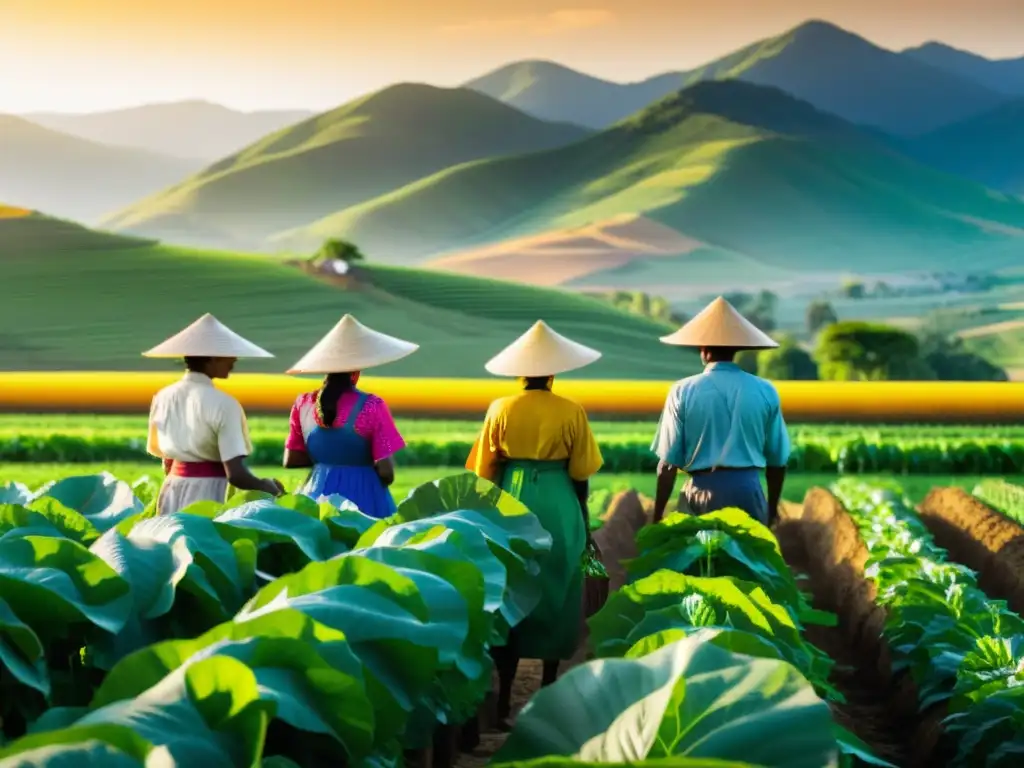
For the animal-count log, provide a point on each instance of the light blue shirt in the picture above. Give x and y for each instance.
(723, 417)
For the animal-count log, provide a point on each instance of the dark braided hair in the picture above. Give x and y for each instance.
(334, 386)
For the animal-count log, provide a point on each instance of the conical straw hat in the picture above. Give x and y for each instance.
(720, 325)
(541, 352)
(351, 346)
(207, 337)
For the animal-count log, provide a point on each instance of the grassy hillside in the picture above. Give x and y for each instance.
(554, 92)
(335, 160)
(76, 178)
(733, 166)
(988, 148)
(77, 299)
(1002, 75)
(846, 75)
(191, 129)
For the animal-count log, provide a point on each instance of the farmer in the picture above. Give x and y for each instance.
(538, 446)
(346, 435)
(722, 426)
(199, 431)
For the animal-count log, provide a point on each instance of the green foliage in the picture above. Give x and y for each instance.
(951, 360)
(820, 314)
(786, 362)
(644, 305)
(1004, 497)
(861, 351)
(365, 636)
(958, 645)
(849, 450)
(336, 249)
(703, 589)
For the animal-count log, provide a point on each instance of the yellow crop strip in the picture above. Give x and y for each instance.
(11, 212)
(802, 401)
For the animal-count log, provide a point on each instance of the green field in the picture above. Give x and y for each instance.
(376, 143)
(106, 300)
(407, 478)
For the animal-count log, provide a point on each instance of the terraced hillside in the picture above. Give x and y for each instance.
(755, 182)
(80, 299)
(335, 160)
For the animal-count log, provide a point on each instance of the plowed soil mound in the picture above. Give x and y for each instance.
(820, 541)
(977, 536)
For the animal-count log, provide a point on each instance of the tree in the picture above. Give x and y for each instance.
(819, 314)
(759, 309)
(747, 360)
(787, 362)
(337, 249)
(853, 289)
(952, 361)
(859, 351)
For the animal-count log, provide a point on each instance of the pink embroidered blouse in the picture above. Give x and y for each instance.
(374, 423)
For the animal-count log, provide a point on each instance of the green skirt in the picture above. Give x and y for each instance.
(551, 631)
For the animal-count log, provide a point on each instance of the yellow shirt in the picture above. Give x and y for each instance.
(535, 425)
(191, 420)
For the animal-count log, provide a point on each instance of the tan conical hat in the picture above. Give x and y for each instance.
(207, 337)
(351, 346)
(541, 352)
(720, 325)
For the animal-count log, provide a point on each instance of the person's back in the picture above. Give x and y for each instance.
(729, 419)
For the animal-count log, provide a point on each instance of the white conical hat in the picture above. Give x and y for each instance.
(207, 337)
(541, 352)
(720, 325)
(351, 346)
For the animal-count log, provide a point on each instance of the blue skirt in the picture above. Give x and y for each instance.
(360, 485)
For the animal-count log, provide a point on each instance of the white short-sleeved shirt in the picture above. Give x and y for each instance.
(193, 421)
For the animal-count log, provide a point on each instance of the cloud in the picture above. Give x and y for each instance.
(539, 25)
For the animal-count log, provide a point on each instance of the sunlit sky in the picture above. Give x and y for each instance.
(85, 55)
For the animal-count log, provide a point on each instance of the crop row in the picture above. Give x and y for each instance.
(962, 650)
(848, 455)
(1005, 497)
(370, 633)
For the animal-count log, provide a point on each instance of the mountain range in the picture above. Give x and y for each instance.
(790, 159)
(194, 130)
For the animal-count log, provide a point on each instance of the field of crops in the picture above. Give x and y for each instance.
(825, 448)
(293, 633)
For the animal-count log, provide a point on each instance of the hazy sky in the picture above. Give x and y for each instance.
(82, 55)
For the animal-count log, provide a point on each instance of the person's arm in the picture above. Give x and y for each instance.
(776, 454)
(484, 459)
(385, 441)
(668, 446)
(296, 459)
(234, 446)
(665, 487)
(585, 461)
(385, 471)
(775, 478)
(240, 477)
(295, 454)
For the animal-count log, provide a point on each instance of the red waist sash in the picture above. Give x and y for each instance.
(205, 469)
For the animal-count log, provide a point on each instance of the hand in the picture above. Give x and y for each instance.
(773, 516)
(274, 487)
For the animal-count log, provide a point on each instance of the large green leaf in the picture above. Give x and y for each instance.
(50, 583)
(516, 541)
(208, 713)
(673, 762)
(102, 746)
(690, 698)
(275, 524)
(46, 517)
(306, 668)
(204, 563)
(103, 499)
(21, 651)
